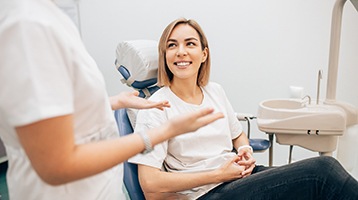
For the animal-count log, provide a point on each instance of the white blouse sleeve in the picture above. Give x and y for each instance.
(148, 119)
(234, 124)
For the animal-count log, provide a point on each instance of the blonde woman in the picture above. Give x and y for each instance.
(201, 164)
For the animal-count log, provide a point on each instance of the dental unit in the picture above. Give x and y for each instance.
(318, 127)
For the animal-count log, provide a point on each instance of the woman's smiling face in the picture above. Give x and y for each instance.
(184, 53)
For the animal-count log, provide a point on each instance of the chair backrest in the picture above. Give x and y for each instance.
(137, 62)
(130, 177)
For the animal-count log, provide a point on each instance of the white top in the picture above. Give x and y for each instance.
(46, 72)
(205, 149)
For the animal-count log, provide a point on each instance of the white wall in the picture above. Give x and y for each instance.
(259, 47)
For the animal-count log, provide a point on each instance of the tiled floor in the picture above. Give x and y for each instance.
(3, 186)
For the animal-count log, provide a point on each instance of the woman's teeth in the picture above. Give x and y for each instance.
(183, 63)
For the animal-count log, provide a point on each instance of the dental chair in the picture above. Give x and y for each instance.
(137, 62)
(130, 177)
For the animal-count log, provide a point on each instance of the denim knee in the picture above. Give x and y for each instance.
(326, 161)
(321, 165)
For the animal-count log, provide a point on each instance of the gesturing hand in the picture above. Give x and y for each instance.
(131, 100)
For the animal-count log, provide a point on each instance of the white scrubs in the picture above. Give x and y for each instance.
(45, 72)
(205, 149)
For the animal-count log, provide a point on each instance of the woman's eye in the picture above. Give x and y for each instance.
(191, 44)
(171, 45)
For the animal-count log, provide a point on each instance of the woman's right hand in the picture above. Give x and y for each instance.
(230, 170)
(192, 121)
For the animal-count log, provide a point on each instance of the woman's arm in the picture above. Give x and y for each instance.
(155, 182)
(51, 148)
(241, 140)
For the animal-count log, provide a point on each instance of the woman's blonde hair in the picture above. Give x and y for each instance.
(165, 76)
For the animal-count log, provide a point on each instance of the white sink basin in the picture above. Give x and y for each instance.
(296, 117)
(282, 104)
(293, 122)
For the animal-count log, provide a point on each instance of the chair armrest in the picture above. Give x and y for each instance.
(244, 116)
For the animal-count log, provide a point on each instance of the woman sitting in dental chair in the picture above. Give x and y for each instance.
(201, 164)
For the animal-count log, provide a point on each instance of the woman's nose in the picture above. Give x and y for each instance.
(181, 51)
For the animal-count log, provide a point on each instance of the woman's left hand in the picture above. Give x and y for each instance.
(131, 100)
(247, 160)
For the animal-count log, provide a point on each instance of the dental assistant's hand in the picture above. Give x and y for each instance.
(247, 160)
(131, 100)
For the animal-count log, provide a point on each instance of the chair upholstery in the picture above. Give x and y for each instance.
(259, 145)
(130, 178)
(137, 62)
(145, 88)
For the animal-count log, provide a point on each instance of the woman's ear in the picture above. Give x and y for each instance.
(205, 55)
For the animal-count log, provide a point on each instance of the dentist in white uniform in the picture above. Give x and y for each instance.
(56, 119)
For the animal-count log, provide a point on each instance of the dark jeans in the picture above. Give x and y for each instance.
(315, 178)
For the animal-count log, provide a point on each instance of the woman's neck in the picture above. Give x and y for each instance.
(188, 92)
